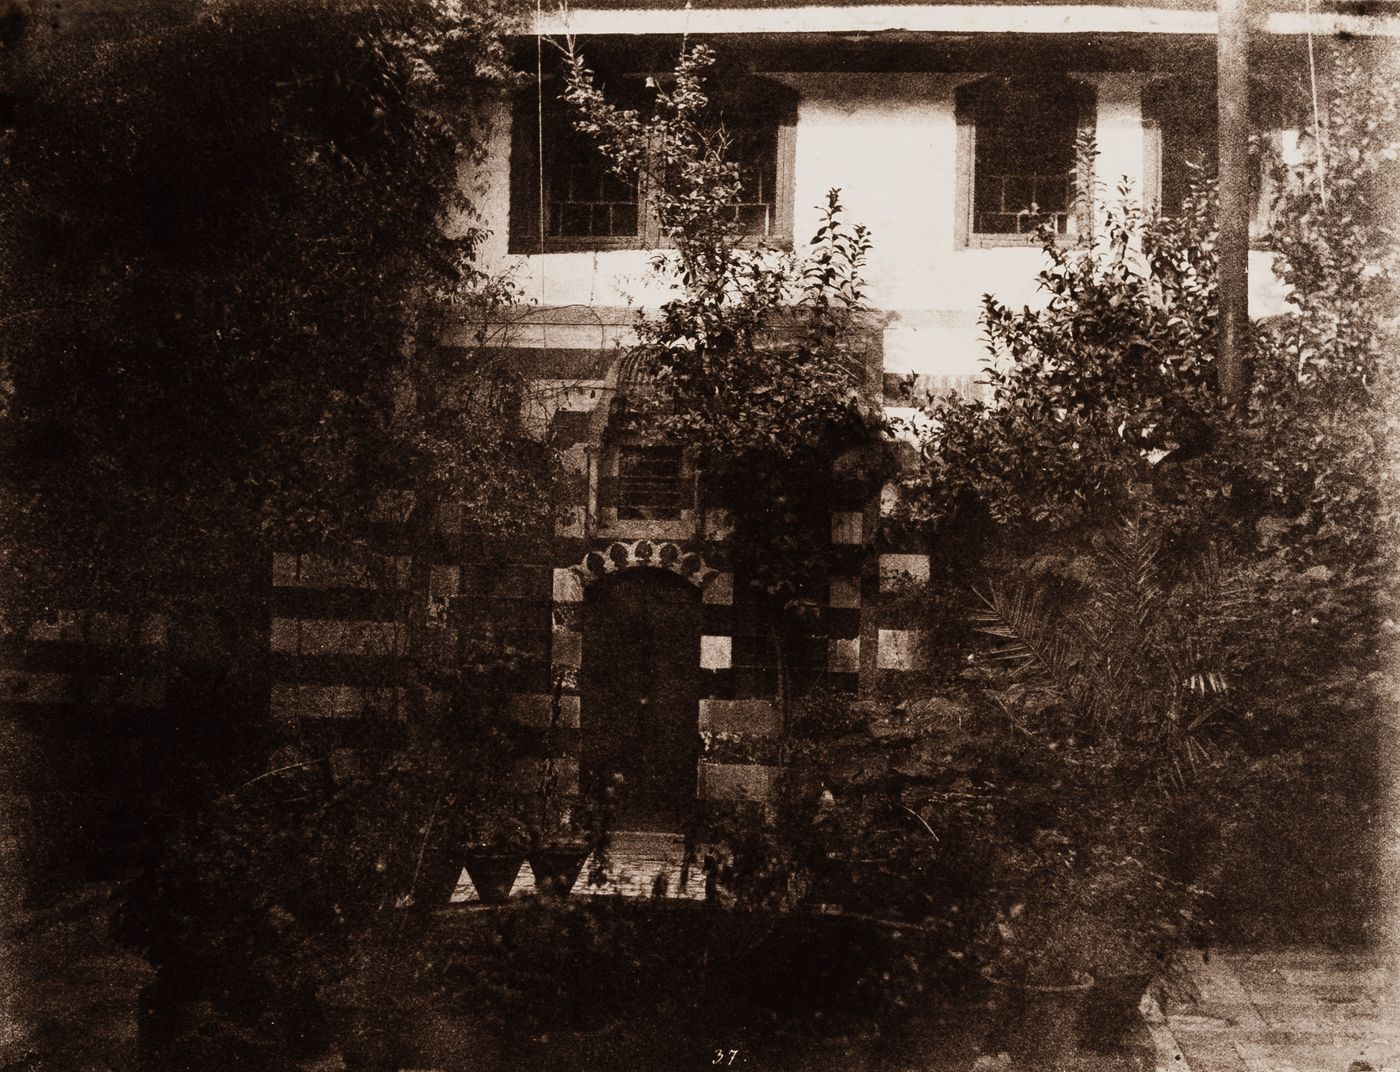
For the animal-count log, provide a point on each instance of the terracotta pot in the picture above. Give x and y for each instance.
(493, 872)
(1038, 1025)
(437, 878)
(557, 868)
(1110, 1010)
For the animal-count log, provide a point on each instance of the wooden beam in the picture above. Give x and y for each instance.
(1232, 67)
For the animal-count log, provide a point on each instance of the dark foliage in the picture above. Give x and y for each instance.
(1104, 408)
(233, 234)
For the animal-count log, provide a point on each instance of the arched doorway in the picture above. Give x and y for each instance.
(640, 695)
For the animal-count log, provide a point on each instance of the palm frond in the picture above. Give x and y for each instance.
(1132, 585)
(1029, 639)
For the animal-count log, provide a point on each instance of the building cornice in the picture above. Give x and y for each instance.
(991, 18)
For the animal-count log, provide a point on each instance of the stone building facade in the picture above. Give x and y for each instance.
(950, 130)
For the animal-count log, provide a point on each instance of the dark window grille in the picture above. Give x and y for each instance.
(585, 199)
(754, 150)
(581, 203)
(1024, 168)
(651, 484)
(1180, 115)
(1021, 203)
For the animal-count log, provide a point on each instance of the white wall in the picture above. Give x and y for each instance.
(888, 141)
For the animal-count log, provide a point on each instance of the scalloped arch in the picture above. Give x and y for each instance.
(644, 554)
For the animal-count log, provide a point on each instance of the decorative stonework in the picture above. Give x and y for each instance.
(643, 554)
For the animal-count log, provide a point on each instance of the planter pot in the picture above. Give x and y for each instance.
(437, 878)
(1110, 1010)
(1039, 1025)
(493, 872)
(557, 868)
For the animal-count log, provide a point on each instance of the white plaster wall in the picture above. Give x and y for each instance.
(609, 279)
(888, 141)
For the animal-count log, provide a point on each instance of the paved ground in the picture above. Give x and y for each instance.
(1288, 1010)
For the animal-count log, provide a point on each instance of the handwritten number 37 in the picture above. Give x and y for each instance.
(725, 1057)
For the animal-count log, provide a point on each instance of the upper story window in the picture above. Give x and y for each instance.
(1179, 118)
(583, 197)
(754, 147)
(1018, 165)
(570, 198)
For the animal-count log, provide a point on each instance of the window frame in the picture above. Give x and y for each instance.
(678, 485)
(1162, 100)
(609, 520)
(780, 110)
(967, 98)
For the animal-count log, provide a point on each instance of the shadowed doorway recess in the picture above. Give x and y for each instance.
(640, 698)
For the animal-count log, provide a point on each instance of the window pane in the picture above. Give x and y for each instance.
(753, 148)
(623, 220)
(1018, 193)
(574, 218)
(585, 199)
(1052, 193)
(1024, 161)
(755, 219)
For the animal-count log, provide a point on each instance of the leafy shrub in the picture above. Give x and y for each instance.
(758, 359)
(1103, 406)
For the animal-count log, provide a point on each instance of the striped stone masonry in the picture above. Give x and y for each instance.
(843, 593)
(318, 571)
(339, 632)
(54, 688)
(899, 571)
(900, 649)
(716, 652)
(79, 658)
(313, 636)
(537, 709)
(843, 655)
(335, 658)
(337, 701)
(736, 781)
(847, 528)
(719, 591)
(754, 718)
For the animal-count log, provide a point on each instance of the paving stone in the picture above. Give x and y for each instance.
(1285, 1010)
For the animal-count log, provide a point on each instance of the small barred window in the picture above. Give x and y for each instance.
(651, 484)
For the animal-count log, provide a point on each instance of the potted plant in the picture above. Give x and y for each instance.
(565, 827)
(557, 864)
(497, 844)
(1035, 939)
(1139, 914)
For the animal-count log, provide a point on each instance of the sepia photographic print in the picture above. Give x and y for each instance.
(645, 536)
